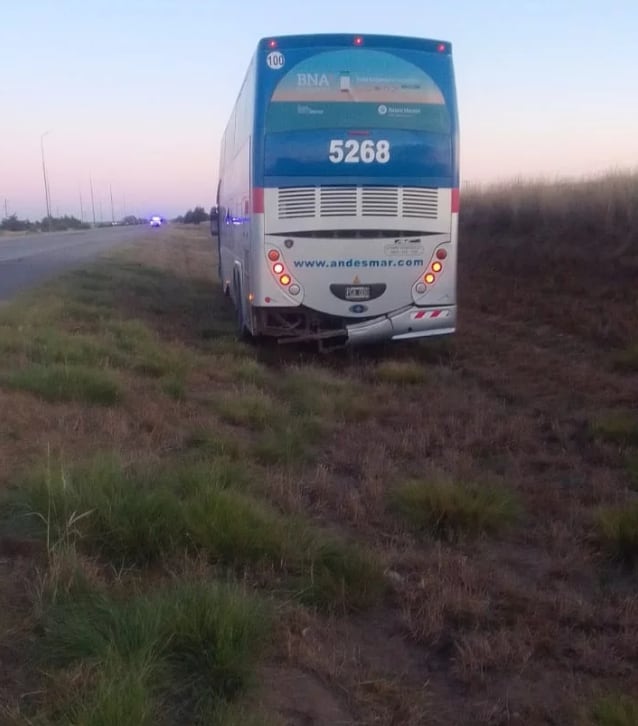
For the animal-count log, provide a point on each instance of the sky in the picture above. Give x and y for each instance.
(133, 95)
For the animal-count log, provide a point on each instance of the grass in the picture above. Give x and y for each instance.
(49, 347)
(65, 383)
(209, 444)
(284, 471)
(141, 516)
(602, 206)
(186, 649)
(618, 531)
(618, 427)
(144, 353)
(447, 509)
(248, 407)
(401, 372)
(627, 359)
(614, 710)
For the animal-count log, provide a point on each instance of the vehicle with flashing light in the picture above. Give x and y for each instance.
(338, 190)
(156, 221)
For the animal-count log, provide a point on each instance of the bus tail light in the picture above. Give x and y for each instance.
(273, 255)
(441, 254)
(278, 268)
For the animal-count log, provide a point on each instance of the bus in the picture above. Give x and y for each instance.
(338, 193)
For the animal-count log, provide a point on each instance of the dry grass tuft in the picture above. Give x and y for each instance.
(447, 509)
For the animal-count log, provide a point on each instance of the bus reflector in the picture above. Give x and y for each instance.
(285, 279)
(441, 254)
(437, 267)
(456, 201)
(258, 200)
(273, 255)
(429, 278)
(278, 268)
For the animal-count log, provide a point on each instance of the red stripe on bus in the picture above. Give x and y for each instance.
(435, 313)
(258, 200)
(456, 200)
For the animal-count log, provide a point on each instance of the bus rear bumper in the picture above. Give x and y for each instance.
(412, 322)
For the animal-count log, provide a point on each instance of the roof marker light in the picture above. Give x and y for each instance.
(441, 47)
(358, 40)
(272, 43)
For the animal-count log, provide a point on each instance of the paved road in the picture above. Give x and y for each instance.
(30, 259)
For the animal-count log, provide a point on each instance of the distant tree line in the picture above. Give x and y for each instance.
(194, 216)
(46, 224)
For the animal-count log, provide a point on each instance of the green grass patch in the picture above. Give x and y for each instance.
(447, 509)
(132, 515)
(250, 407)
(144, 352)
(401, 372)
(291, 444)
(618, 531)
(138, 516)
(319, 394)
(205, 444)
(175, 387)
(627, 359)
(619, 427)
(251, 372)
(180, 653)
(47, 347)
(614, 710)
(65, 383)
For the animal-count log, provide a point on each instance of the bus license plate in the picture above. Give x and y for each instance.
(358, 292)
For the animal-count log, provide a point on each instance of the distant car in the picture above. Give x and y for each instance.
(156, 221)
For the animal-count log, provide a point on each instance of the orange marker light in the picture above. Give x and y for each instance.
(437, 267)
(429, 278)
(285, 279)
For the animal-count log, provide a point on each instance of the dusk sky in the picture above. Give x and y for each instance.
(136, 93)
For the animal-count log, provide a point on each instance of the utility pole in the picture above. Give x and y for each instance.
(112, 209)
(81, 207)
(47, 196)
(6, 208)
(92, 199)
(101, 215)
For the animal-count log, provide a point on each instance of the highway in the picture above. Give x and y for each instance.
(27, 260)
